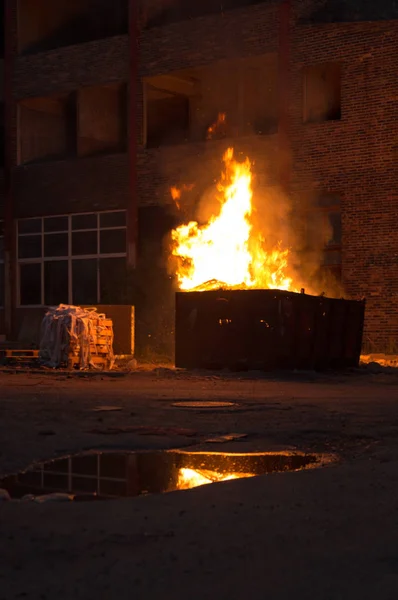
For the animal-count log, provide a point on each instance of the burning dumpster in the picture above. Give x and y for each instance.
(240, 302)
(266, 329)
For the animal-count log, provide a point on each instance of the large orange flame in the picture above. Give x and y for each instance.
(190, 478)
(227, 252)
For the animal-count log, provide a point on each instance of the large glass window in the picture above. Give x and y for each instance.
(61, 260)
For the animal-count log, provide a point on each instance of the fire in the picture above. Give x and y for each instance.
(176, 193)
(217, 127)
(189, 478)
(227, 252)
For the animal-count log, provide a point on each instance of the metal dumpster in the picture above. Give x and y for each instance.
(266, 329)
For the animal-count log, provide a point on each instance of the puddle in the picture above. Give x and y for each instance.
(105, 475)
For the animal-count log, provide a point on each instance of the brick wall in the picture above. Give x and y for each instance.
(59, 187)
(355, 157)
(66, 69)
(236, 33)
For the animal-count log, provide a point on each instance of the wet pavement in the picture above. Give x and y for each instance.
(326, 533)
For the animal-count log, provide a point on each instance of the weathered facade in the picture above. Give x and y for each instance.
(106, 108)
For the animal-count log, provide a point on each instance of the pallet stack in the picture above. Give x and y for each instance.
(99, 350)
(76, 338)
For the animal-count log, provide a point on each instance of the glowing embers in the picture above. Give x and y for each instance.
(105, 475)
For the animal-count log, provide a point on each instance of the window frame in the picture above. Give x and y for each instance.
(69, 257)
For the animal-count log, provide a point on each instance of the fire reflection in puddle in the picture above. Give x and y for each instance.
(105, 475)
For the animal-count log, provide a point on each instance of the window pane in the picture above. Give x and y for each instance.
(30, 284)
(113, 241)
(29, 246)
(84, 281)
(56, 224)
(29, 226)
(113, 278)
(113, 219)
(84, 221)
(56, 244)
(84, 242)
(56, 282)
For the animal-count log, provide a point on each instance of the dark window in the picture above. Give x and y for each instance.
(29, 246)
(84, 243)
(335, 229)
(327, 221)
(113, 219)
(322, 93)
(84, 221)
(29, 226)
(56, 224)
(332, 258)
(47, 24)
(56, 282)
(84, 281)
(167, 120)
(47, 128)
(113, 275)
(113, 241)
(55, 244)
(154, 224)
(102, 119)
(30, 284)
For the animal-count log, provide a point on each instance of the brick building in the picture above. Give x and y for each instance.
(97, 127)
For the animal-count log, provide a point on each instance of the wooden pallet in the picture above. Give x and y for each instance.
(14, 353)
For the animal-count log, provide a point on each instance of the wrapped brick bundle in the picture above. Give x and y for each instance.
(74, 336)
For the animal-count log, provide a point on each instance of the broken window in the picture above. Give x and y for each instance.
(102, 119)
(322, 93)
(47, 24)
(47, 128)
(167, 107)
(61, 259)
(167, 119)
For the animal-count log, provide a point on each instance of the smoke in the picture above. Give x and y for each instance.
(282, 223)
